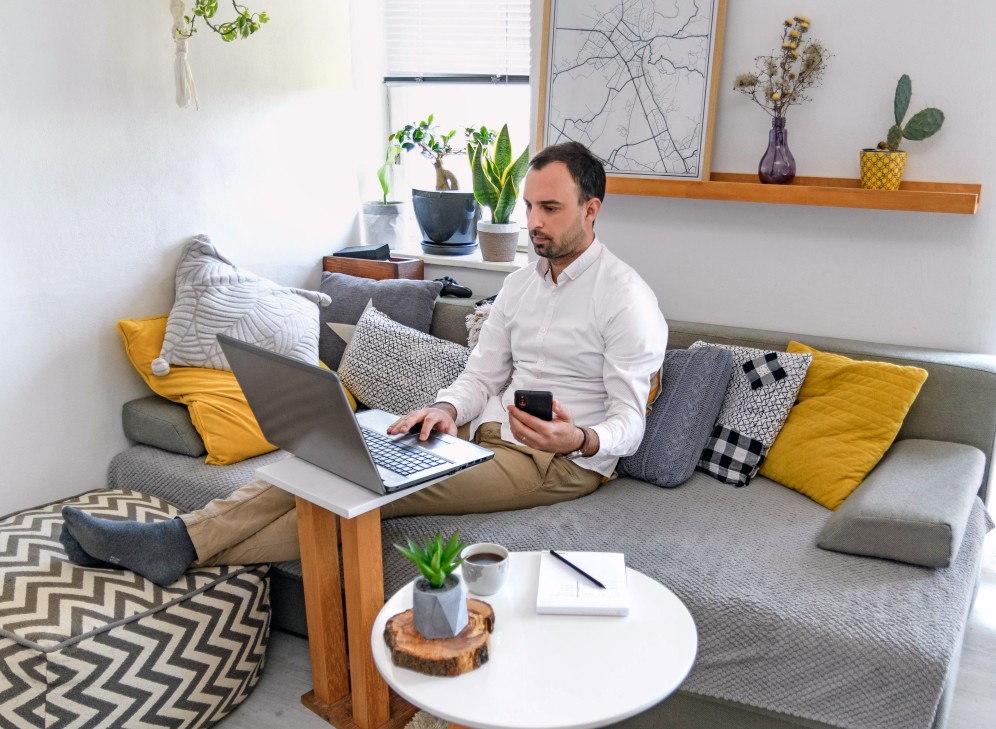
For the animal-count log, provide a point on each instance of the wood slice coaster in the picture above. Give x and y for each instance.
(441, 656)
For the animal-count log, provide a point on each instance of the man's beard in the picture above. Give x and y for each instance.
(565, 245)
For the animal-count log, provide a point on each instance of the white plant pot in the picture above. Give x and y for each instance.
(384, 223)
(498, 241)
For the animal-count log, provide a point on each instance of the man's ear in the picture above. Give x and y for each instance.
(591, 209)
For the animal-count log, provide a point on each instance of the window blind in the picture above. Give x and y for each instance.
(457, 40)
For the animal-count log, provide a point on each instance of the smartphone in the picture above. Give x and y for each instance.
(538, 403)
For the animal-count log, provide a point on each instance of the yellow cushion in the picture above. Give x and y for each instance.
(217, 407)
(845, 417)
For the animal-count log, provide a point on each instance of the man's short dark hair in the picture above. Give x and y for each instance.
(586, 169)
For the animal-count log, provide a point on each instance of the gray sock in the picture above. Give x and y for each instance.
(78, 555)
(160, 551)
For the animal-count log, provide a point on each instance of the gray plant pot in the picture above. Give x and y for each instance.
(384, 223)
(446, 216)
(439, 612)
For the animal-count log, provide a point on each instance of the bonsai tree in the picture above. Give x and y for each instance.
(245, 24)
(435, 145)
(923, 124)
(497, 176)
(435, 560)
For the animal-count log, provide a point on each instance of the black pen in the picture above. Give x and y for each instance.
(577, 569)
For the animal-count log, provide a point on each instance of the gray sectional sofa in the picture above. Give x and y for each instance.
(790, 635)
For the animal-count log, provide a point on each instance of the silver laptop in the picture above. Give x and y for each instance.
(304, 410)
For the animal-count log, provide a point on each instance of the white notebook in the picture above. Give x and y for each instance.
(562, 591)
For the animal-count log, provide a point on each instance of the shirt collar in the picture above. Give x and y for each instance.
(578, 266)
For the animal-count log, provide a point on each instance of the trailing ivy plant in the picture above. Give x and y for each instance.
(245, 24)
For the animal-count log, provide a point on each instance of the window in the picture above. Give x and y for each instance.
(466, 62)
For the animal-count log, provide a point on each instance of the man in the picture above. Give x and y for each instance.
(581, 323)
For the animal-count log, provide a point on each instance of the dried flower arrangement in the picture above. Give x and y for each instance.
(782, 79)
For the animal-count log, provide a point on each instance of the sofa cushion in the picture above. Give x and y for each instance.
(107, 648)
(694, 383)
(849, 412)
(396, 368)
(158, 422)
(217, 407)
(762, 389)
(913, 507)
(406, 301)
(214, 296)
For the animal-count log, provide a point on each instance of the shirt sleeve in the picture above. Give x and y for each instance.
(635, 345)
(488, 368)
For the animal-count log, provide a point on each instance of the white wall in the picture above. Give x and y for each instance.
(909, 278)
(102, 179)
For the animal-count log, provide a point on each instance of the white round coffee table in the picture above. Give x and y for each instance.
(555, 671)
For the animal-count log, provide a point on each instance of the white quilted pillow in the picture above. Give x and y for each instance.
(215, 296)
(396, 368)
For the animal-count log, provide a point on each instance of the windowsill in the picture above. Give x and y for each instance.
(469, 260)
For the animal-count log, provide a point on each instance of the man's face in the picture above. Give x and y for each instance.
(560, 227)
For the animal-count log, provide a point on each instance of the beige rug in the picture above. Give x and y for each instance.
(423, 720)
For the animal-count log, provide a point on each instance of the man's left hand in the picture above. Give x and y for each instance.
(558, 435)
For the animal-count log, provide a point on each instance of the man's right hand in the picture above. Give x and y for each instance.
(439, 416)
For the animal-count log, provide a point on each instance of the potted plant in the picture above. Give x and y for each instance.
(447, 218)
(497, 177)
(383, 220)
(439, 598)
(882, 168)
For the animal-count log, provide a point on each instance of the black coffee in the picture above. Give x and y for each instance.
(485, 558)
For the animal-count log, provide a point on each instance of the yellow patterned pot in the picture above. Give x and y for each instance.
(882, 169)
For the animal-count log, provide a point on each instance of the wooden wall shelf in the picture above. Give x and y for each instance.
(924, 197)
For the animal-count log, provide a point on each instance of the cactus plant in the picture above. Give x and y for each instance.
(921, 125)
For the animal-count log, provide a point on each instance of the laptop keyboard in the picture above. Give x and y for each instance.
(403, 460)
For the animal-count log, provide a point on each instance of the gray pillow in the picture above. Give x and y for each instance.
(406, 301)
(693, 384)
(913, 507)
(160, 423)
(396, 368)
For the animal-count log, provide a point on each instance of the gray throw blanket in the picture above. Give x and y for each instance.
(850, 641)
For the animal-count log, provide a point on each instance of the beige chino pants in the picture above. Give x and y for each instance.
(258, 522)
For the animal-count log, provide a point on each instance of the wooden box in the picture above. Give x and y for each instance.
(394, 267)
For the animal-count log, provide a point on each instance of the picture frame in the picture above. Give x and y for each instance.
(635, 81)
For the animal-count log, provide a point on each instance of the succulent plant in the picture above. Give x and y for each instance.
(434, 560)
(921, 125)
(497, 176)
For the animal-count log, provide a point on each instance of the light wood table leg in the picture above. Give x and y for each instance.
(363, 573)
(318, 535)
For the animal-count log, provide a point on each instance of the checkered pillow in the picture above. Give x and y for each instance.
(762, 390)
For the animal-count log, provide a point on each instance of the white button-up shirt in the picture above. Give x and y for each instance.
(594, 339)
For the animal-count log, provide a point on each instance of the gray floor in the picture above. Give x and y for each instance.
(277, 699)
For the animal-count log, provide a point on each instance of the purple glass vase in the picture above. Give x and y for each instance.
(777, 166)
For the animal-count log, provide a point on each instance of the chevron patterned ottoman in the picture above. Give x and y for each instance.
(83, 647)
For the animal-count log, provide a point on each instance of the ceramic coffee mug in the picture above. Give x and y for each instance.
(485, 567)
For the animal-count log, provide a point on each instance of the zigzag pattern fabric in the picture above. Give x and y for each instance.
(83, 647)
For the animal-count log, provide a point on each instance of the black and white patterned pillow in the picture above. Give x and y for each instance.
(763, 387)
(396, 368)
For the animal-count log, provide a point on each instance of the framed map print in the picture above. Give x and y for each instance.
(635, 81)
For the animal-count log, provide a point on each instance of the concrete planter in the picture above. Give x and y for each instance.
(439, 612)
(498, 241)
(384, 223)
